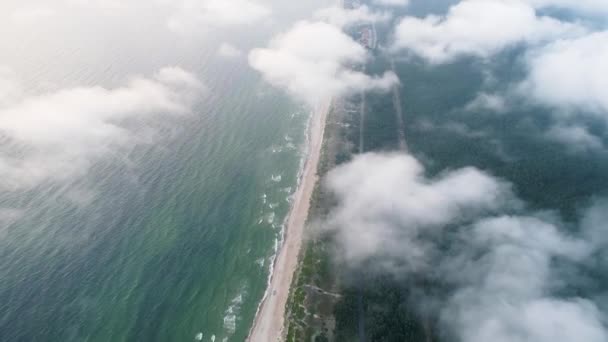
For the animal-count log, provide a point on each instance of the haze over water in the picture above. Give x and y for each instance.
(169, 236)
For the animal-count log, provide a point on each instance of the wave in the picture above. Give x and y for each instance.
(280, 238)
(231, 315)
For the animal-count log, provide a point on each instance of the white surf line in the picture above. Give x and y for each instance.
(269, 324)
(398, 112)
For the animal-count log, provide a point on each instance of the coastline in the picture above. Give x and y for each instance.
(269, 322)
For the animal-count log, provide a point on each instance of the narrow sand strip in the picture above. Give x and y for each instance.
(269, 322)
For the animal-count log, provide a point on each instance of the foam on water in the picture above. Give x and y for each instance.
(231, 315)
(279, 239)
(270, 217)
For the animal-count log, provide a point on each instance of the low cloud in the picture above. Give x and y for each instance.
(341, 17)
(402, 3)
(576, 138)
(229, 51)
(10, 87)
(101, 4)
(478, 28)
(387, 206)
(59, 135)
(192, 16)
(582, 6)
(321, 67)
(570, 74)
(8, 216)
(30, 15)
(488, 102)
(466, 231)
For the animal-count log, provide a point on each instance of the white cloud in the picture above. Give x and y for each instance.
(229, 51)
(10, 87)
(200, 15)
(478, 28)
(497, 270)
(341, 17)
(59, 135)
(101, 4)
(571, 73)
(489, 102)
(8, 216)
(576, 138)
(312, 61)
(505, 290)
(386, 203)
(585, 6)
(392, 2)
(30, 15)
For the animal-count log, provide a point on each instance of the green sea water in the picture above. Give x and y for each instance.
(166, 239)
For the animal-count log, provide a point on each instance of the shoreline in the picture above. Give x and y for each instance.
(269, 321)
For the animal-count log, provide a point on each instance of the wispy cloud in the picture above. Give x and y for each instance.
(229, 51)
(192, 16)
(341, 17)
(323, 66)
(478, 28)
(32, 14)
(398, 3)
(498, 264)
(59, 135)
(570, 73)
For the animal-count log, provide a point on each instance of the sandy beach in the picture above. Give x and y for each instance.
(269, 322)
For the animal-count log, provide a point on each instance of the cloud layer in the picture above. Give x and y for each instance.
(319, 69)
(59, 135)
(392, 2)
(478, 28)
(196, 15)
(583, 6)
(341, 17)
(571, 73)
(465, 230)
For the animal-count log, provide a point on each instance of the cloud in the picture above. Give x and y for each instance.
(498, 265)
(107, 5)
(489, 102)
(59, 135)
(576, 138)
(570, 74)
(341, 17)
(583, 6)
(387, 203)
(10, 87)
(201, 15)
(312, 60)
(32, 14)
(229, 51)
(8, 216)
(505, 282)
(392, 2)
(478, 28)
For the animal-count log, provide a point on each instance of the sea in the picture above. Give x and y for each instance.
(173, 238)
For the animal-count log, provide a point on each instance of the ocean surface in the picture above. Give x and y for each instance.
(169, 238)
